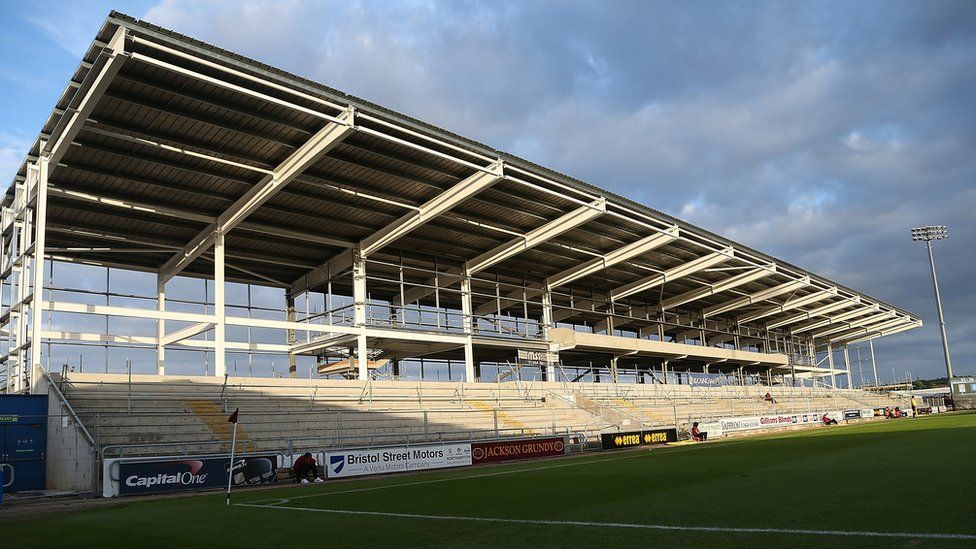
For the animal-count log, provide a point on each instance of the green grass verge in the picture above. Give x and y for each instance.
(895, 476)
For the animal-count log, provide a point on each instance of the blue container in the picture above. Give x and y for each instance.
(23, 440)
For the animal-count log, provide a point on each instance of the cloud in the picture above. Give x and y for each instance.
(817, 132)
(13, 149)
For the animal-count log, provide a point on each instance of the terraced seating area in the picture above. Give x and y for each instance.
(156, 415)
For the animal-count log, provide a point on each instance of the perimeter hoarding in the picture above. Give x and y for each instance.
(731, 424)
(509, 450)
(125, 477)
(630, 439)
(352, 463)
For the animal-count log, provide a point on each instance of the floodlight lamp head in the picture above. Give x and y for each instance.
(930, 232)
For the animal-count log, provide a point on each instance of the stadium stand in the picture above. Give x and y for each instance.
(237, 211)
(152, 415)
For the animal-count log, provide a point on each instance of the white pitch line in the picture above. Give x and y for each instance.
(667, 527)
(645, 453)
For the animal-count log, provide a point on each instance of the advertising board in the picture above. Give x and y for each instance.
(630, 439)
(151, 476)
(351, 463)
(508, 450)
(717, 427)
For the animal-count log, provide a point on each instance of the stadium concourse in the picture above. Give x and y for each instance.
(186, 210)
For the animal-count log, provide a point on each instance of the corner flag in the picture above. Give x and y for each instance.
(233, 417)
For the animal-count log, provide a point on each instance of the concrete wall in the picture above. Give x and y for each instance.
(70, 463)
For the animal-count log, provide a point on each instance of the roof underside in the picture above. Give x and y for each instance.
(171, 144)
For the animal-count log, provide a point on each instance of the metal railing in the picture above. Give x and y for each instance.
(186, 446)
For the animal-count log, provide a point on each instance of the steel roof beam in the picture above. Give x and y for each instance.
(813, 313)
(309, 153)
(718, 287)
(757, 297)
(63, 191)
(587, 268)
(838, 318)
(685, 269)
(443, 202)
(536, 236)
(438, 205)
(852, 324)
(68, 127)
(619, 255)
(909, 325)
(874, 327)
(789, 305)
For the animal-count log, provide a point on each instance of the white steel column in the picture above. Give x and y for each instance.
(547, 325)
(17, 338)
(220, 356)
(37, 293)
(468, 323)
(359, 309)
(291, 334)
(874, 365)
(847, 363)
(160, 326)
(830, 363)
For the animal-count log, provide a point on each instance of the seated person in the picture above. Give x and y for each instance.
(698, 435)
(826, 420)
(769, 398)
(304, 468)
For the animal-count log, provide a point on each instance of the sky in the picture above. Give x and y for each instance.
(818, 132)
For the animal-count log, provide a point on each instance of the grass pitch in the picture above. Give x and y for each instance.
(896, 483)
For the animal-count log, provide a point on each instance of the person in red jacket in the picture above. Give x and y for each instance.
(304, 468)
(698, 435)
(827, 420)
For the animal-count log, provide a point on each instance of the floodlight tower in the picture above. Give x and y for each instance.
(927, 234)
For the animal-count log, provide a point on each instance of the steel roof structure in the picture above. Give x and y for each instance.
(168, 155)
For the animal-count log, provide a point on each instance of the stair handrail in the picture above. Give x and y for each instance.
(71, 411)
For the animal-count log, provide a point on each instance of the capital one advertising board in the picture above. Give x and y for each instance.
(191, 473)
(352, 463)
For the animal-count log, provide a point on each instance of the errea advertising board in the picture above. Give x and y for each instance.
(627, 439)
(352, 463)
